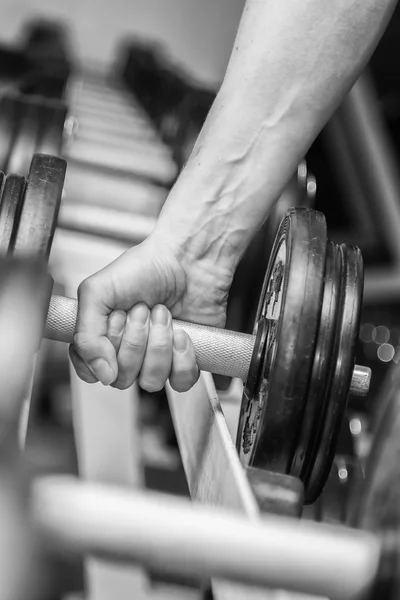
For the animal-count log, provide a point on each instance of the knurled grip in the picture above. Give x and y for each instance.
(218, 351)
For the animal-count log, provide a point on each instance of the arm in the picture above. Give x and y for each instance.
(291, 65)
(292, 62)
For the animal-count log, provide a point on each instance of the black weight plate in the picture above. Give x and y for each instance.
(40, 207)
(10, 209)
(51, 128)
(25, 138)
(343, 358)
(330, 349)
(291, 299)
(8, 116)
(314, 409)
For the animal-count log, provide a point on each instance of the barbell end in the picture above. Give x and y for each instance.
(360, 381)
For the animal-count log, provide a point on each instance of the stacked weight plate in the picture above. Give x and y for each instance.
(29, 207)
(307, 327)
(29, 125)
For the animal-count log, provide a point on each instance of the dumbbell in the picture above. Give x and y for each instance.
(298, 365)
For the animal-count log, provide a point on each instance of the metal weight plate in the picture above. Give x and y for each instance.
(41, 204)
(8, 116)
(25, 136)
(10, 209)
(316, 395)
(51, 127)
(342, 361)
(291, 301)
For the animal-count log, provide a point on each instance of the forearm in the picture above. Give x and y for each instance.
(291, 64)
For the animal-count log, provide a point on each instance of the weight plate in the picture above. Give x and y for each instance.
(342, 360)
(25, 138)
(51, 128)
(316, 395)
(8, 115)
(10, 208)
(40, 207)
(330, 331)
(291, 300)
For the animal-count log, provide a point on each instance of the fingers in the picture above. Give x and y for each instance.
(157, 361)
(90, 340)
(185, 371)
(116, 328)
(132, 345)
(82, 370)
(117, 348)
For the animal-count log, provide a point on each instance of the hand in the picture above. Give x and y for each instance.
(124, 327)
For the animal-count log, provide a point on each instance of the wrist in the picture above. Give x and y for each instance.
(199, 220)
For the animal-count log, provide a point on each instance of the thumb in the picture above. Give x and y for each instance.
(90, 339)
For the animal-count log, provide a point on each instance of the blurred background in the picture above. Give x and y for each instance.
(159, 63)
(199, 35)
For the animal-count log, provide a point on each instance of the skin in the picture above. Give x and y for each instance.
(291, 65)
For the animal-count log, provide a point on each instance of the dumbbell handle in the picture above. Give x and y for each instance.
(218, 351)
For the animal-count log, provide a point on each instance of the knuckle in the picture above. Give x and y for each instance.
(82, 342)
(135, 346)
(160, 348)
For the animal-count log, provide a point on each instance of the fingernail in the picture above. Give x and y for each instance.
(180, 340)
(159, 315)
(102, 371)
(140, 314)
